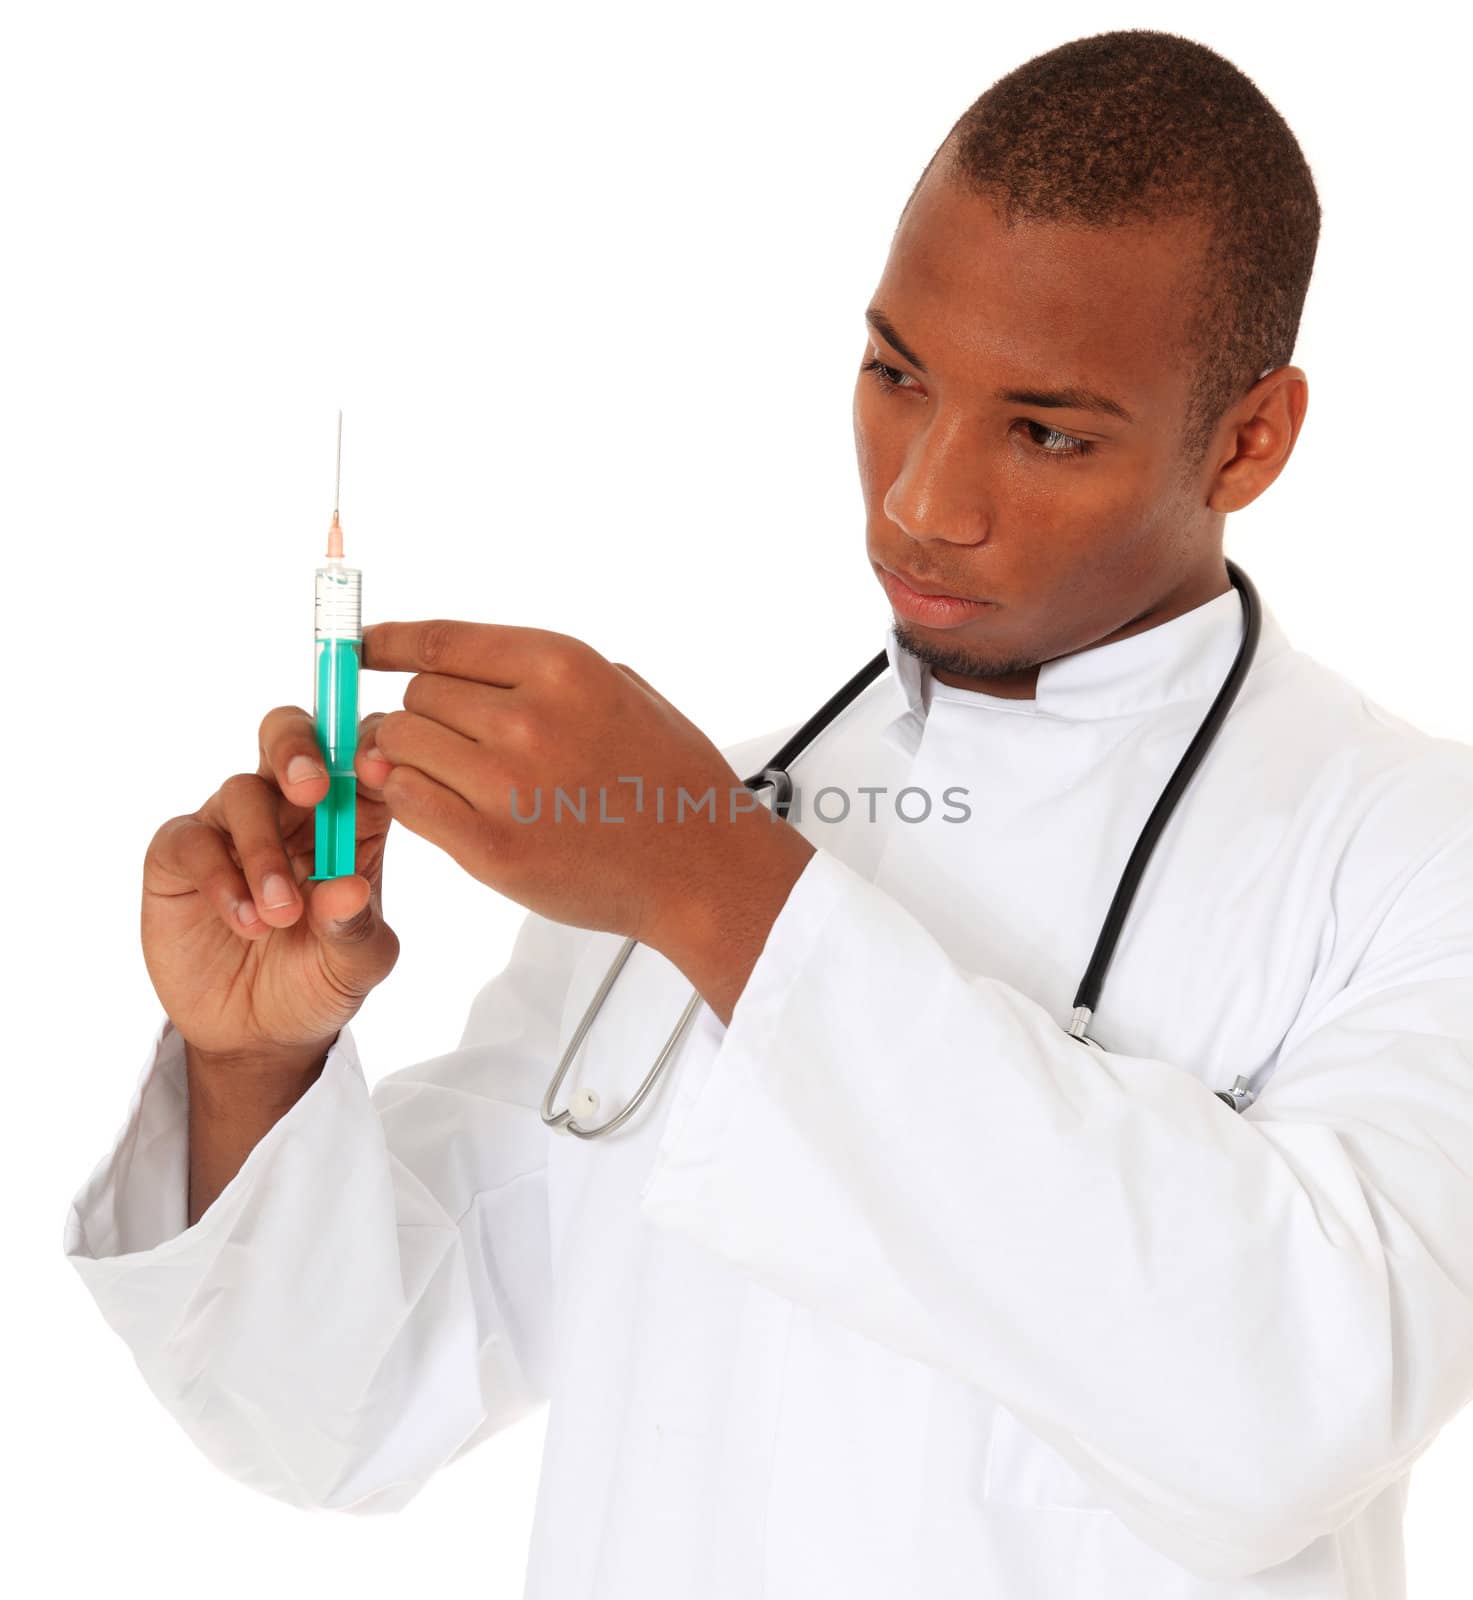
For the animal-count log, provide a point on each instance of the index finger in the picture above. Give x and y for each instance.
(485, 652)
(290, 754)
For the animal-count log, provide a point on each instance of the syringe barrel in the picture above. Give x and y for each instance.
(339, 648)
(339, 609)
(339, 631)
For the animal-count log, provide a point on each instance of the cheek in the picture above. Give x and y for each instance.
(1128, 502)
(1070, 517)
(879, 445)
(1110, 532)
(861, 433)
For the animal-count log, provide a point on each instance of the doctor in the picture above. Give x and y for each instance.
(891, 1288)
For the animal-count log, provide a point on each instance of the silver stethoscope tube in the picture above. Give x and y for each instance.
(775, 774)
(585, 1101)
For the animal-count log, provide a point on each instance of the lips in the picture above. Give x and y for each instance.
(924, 604)
(921, 587)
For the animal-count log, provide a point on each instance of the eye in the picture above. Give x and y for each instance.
(886, 377)
(1064, 444)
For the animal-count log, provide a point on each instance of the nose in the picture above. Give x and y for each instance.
(939, 492)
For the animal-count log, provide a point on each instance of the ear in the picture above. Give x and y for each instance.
(1260, 432)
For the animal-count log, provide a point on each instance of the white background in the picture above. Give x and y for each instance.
(588, 284)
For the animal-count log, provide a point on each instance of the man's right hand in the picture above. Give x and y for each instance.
(252, 963)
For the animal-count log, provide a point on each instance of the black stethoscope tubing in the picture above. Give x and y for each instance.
(1086, 999)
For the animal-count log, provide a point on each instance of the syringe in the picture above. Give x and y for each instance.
(339, 646)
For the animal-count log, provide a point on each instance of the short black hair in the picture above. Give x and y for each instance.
(1140, 125)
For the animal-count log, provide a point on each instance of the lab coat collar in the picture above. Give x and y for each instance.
(1182, 659)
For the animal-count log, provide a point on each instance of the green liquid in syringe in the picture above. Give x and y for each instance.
(337, 735)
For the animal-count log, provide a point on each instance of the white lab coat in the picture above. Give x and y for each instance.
(893, 1289)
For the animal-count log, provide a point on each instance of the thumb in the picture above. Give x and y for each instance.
(348, 920)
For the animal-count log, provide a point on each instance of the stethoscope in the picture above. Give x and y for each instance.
(775, 775)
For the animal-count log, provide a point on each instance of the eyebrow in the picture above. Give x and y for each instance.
(1074, 398)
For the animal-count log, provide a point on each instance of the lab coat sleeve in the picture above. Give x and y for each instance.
(370, 1296)
(1237, 1328)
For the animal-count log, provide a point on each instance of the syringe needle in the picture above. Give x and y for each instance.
(335, 533)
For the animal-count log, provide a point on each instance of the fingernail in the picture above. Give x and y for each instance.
(373, 753)
(246, 911)
(301, 769)
(277, 892)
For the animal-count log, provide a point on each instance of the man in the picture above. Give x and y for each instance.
(894, 1287)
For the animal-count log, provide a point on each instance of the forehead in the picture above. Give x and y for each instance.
(1042, 301)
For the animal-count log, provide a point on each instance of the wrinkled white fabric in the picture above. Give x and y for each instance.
(892, 1289)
